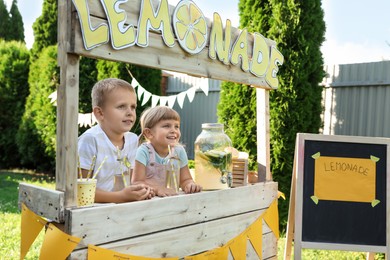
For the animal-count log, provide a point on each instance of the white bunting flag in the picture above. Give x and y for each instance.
(146, 98)
(163, 101)
(140, 91)
(191, 94)
(171, 101)
(204, 85)
(155, 100)
(134, 83)
(180, 98)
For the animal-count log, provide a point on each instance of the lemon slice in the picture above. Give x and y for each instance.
(190, 27)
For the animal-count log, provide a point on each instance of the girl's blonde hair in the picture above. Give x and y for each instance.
(104, 87)
(151, 116)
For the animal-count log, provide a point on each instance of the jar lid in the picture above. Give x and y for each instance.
(212, 125)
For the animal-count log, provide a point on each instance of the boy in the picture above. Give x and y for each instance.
(114, 104)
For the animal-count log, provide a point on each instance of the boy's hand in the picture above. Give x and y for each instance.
(192, 188)
(137, 192)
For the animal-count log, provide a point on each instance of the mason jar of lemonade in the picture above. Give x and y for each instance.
(213, 158)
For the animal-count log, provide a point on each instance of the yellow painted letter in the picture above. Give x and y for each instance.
(260, 59)
(240, 50)
(122, 35)
(217, 44)
(159, 21)
(92, 37)
(275, 60)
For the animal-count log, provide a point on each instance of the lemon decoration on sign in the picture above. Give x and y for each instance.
(190, 27)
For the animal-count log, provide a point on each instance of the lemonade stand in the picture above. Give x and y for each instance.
(220, 224)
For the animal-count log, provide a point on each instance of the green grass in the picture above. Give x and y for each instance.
(10, 214)
(10, 222)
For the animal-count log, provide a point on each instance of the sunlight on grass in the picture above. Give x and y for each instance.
(10, 214)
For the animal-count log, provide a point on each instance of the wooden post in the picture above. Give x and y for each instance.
(67, 108)
(291, 212)
(263, 143)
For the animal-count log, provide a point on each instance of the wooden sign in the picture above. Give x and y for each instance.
(179, 38)
(339, 195)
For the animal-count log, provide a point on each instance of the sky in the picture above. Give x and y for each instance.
(356, 30)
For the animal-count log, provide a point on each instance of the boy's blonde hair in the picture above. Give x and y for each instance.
(104, 87)
(151, 116)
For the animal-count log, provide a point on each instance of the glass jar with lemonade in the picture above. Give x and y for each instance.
(213, 158)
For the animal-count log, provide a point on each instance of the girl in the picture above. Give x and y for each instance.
(161, 128)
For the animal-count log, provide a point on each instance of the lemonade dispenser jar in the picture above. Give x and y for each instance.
(213, 158)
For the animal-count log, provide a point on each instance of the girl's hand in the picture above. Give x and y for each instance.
(137, 192)
(192, 187)
(165, 192)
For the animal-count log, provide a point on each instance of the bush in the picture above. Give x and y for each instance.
(37, 132)
(14, 69)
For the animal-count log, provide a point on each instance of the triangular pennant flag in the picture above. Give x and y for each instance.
(93, 119)
(53, 98)
(155, 100)
(255, 235)
(140, 91)
(191, 93)
(98, 253)
(146, 98)
(163, 101)
(180, 98)
(134, 83)
(31, 226)
(171, 101)
(271, 217)
(57, 244)
(205, 86)
(238, 246)
(215, 254)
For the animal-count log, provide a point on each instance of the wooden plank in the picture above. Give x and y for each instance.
(144, 217)
(291, 211)
(67, 108)
(160, 56)
(263, 138)
(193, 239)
(43, 202)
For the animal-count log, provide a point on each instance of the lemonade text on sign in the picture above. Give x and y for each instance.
(345, 179)
(189, 26)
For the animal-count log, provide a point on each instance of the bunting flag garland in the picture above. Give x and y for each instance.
(98, 253)
(31, 226)
(56, 239)
(271, 217)
(88, 119)
(215, 254)
(238, 246)
(145, 95)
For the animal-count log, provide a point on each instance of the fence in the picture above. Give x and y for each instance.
(356, 101)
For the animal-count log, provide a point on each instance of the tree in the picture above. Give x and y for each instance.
(45, 27)
(37, 132)
(14, 69)
(298, 27)
(15, 29)
(4, 21)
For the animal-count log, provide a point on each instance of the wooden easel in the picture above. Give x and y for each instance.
(295, 204)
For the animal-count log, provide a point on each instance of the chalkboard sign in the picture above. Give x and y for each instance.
(341, 195)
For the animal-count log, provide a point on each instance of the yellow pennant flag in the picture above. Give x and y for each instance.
(31, 225)
(238, 246)
(99, 253)
(271, 217)
(220, 253)
(255, 235)
(57, 244)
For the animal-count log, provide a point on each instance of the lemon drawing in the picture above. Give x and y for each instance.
(190, 27)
